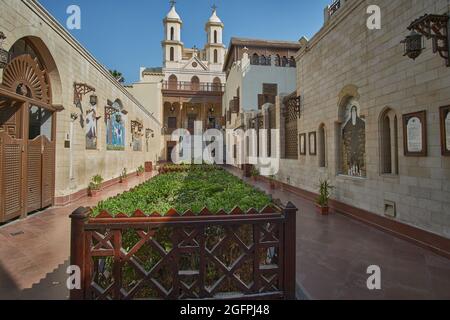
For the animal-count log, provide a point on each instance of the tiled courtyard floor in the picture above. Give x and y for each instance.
(333, 254)
(31, 248)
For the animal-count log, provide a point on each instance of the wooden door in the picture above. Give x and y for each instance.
(34, 165)
(48, 172)
(11, 161)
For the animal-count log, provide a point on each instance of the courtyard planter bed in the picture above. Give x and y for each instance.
(193, 232)
(186, 188)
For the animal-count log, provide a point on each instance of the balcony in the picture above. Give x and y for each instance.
(192, 88)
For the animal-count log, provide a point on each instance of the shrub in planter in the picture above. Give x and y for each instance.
(324, 197)
(123, 176)
(254, 173)
(140, 170)
(194, 188)
(95, 185)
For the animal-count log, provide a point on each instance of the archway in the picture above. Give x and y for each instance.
(28, 129)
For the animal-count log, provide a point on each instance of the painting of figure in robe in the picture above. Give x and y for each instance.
(91, 128)
(115, 131)
(354, 144)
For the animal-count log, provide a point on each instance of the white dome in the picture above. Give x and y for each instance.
(214, 18)
(173, 14)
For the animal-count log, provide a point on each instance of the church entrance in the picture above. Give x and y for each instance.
(27, 137)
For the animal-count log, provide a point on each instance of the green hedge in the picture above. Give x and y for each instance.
(192, 188)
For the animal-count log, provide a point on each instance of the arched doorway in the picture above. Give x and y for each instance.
(27, 133)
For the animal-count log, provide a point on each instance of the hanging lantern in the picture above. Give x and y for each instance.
(413, 45)
(4, 55)
(93, 100)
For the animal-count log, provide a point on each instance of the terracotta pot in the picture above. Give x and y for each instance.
(149, 166)
(93, 193)
(322, 210)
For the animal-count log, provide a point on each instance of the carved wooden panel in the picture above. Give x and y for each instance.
(10, 119)
(202, 259)
(23, 75)
(34, 165)
(291, 127)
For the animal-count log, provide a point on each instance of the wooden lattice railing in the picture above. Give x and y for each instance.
(236, 255)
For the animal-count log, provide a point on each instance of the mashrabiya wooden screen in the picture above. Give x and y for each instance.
(234, 256)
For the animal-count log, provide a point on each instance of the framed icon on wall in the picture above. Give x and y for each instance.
(415, 134)
(445, 130)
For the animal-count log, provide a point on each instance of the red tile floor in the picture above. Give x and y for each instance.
(33, 247)
(333, 254)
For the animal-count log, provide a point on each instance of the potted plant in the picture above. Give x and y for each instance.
(254, 173)
(140, 170)
(95, 185)
(123, 176)
(324, 197)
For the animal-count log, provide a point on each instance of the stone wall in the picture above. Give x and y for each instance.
(345, 59)
(70, 63)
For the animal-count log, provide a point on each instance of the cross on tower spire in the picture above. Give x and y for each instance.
(172, 3)
(214, 7)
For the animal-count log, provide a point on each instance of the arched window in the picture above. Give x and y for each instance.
(255, 59)
(217, 84)
(216, 56)
(389, 142)
(284, 61)
(322, 146)
(263, 60)
(172, 33)
(173, 82)
(172, 54)
(277, 60)
(195, 83)
(352, 140)
(215, 36)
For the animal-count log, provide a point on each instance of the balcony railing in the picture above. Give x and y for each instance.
(335, 6)
(193, 86)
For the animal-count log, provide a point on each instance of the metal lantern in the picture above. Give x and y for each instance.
(4, 55)
(413, 45)
(93, 100)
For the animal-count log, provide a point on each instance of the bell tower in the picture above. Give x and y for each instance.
(172, 45)
(215, 49)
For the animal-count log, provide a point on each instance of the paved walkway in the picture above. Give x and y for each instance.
(32, 248)
(333, 254)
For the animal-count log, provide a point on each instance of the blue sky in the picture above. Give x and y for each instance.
(126, 35)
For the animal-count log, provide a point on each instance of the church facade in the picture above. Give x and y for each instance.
(188, 89)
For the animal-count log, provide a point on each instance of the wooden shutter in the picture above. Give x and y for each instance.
(11, 165)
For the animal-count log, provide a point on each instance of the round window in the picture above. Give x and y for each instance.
(194, 64)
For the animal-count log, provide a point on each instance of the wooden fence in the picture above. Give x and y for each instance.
(236, 255)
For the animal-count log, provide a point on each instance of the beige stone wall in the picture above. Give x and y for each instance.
(346, 55)
(73, 63)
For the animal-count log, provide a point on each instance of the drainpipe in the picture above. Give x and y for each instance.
(73, 118)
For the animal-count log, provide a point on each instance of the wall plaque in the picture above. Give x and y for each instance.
(445, 130)
(312, 144)
(415, 134)
(303, 144)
